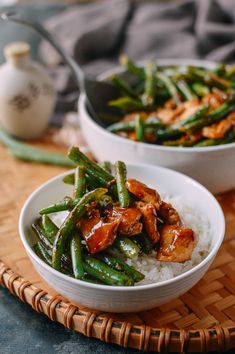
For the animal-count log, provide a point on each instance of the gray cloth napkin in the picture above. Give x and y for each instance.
(95, 35)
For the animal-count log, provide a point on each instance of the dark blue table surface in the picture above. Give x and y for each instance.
(24, 331)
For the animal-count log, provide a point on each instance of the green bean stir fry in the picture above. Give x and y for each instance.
(110, 219)
(175, 105)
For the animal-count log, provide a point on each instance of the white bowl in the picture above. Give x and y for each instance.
(213, 166)
(140, 297)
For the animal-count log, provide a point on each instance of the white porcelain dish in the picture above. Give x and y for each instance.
(140, 297)
(213, 166)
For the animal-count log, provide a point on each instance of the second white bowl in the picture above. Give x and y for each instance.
(213, 166)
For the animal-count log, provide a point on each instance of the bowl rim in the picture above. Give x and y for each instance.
(162, 62)
(212, 253)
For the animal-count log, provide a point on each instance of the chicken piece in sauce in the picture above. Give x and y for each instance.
(143, 192)
(176, 244)
(169, 215)
(218, 130)
(130, 224)
(190, 108)
(214, 99)
(169, 115)
(98, 233)
(150, 220)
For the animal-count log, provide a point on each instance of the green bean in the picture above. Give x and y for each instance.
(223, 110)
(213, 117)
(98, 173)
(122, 266)
(92, 280)
(47, 243)
(107, 166)
(136, 240)
(127, 247)
(209, 78)
(185, 89)
(122, 126)
(150, 122)
(194, 117)
(43, 239)
(200, 89)
(98, 176)
(131, 67)
(144, 243)
(127, 104)
(49, 228)
(123, 194)
(167, 133)
(26, 152)
(230, 71)
(153, 122)
(42, 253)
(123, 86)
(90, 181)
(170, 86)
(79, 183)
(39, 155)
(113, 251)
(45, 255)
(76, 255)
(208, 142)
(79, 158)
(101, 271)
(197, 72)
(139, 128)
(222, 83)
(148, 96)
(111, 262)
(66, 204)
(69, 225)
(220, 69)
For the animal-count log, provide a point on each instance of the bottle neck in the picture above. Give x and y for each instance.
(18, 61)
(17, 54)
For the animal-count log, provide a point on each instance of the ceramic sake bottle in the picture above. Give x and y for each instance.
(27, 96)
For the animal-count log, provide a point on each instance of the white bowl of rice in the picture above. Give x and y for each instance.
(163, 281)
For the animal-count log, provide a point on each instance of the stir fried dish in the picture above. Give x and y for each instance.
(110, 219)
(175, 105)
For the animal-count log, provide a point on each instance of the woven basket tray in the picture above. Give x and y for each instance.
(202, 320)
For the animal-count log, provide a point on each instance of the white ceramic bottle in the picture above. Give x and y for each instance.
(27, 96)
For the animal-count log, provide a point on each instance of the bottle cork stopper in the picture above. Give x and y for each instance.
(16, 50)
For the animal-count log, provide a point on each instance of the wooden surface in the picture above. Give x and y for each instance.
(18, 180)
(209, 304)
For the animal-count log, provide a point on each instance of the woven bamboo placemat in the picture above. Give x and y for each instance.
(202, 320)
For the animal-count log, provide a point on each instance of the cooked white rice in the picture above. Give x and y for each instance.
(156, 271)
